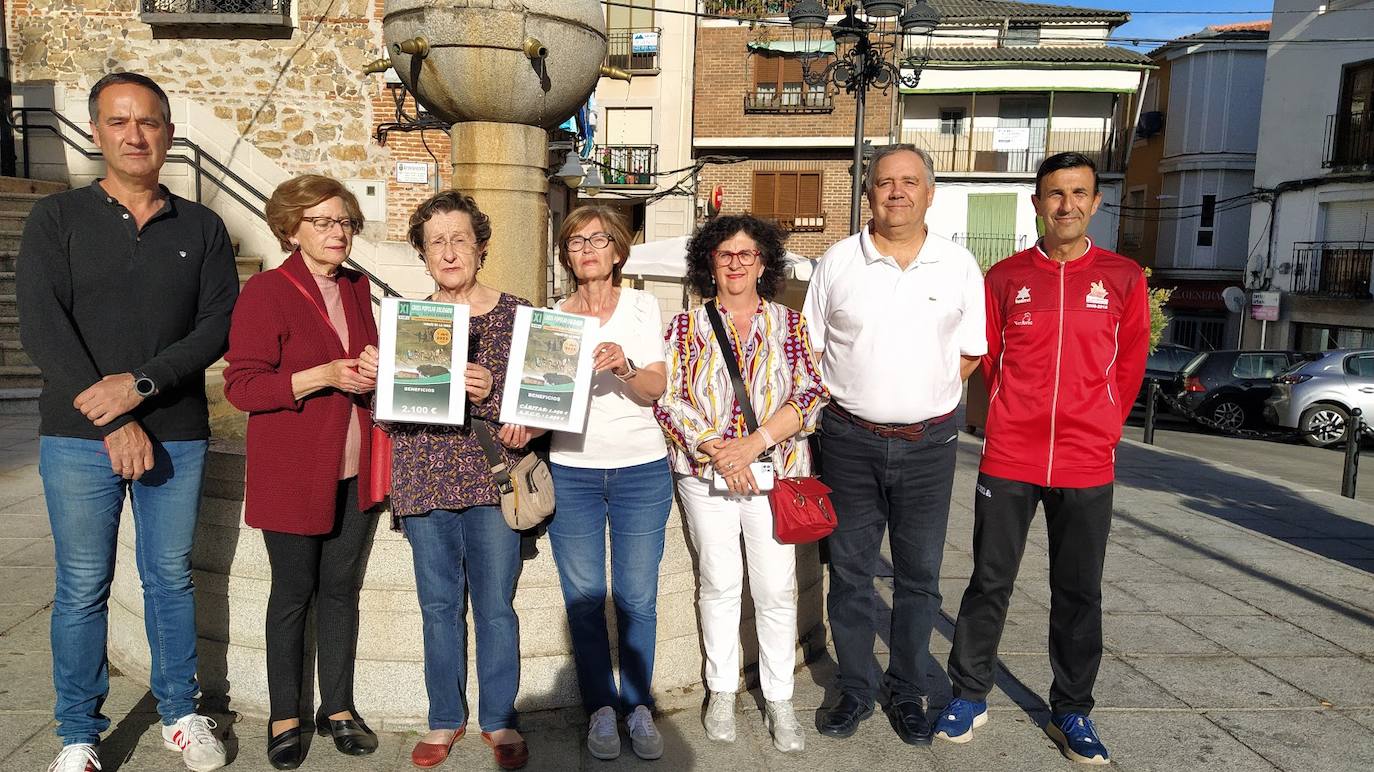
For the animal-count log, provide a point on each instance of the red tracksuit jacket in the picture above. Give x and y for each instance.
(1066, 355)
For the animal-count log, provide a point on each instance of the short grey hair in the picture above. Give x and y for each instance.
(880, 153)
(131, 78)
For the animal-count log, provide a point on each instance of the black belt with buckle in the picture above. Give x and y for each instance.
(909, 432)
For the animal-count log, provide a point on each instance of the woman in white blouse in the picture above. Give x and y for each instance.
(614, 474)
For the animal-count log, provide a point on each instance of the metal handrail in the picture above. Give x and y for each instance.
(198, 160)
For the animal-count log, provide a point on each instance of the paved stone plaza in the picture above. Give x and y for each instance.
(1239, 631)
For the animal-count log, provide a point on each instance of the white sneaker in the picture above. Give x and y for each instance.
(644, 736)
(720, 717)
(603, 737)
(78, 757)
(783, 725)
(200, 750)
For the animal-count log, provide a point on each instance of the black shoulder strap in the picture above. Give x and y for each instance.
(746, 407)
(495, 459)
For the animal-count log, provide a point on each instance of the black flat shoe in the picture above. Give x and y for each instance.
(843, 719)
(351, 735)
(285, 750)
(910, 723)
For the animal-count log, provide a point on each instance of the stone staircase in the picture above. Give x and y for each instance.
(20, 380)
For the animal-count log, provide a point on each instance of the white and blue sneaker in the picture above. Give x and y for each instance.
(959, 718)
(1077, 739)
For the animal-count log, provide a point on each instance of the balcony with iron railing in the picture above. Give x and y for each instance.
(1334, 269)
(1349, 141)
(634, 50)
(628, 166)
(758, 8)
(761, 100)
(989, 248)
(1017, 150)
(203, 13)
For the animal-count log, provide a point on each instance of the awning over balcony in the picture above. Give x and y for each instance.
(964, 69)
(793, 46)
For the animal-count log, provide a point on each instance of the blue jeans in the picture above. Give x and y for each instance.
(474, 549)
(635, 501)
(84, 499)
(902, 487)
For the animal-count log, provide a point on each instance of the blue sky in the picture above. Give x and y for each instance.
(1158, 25)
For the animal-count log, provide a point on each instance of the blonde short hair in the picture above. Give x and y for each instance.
(612, 222)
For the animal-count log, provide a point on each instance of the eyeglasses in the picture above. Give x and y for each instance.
(746, 257)
(457, 244)
(326, 224)
(597, 240)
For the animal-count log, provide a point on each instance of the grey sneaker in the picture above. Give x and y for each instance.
(783, 725)
(644, 737)
(720, 717)
(193, 738)
(603, 736)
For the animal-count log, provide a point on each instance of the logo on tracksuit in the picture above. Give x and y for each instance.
(1097, 296)
(1024, 321)
(1022, 296)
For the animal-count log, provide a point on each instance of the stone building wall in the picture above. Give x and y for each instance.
(301, 100)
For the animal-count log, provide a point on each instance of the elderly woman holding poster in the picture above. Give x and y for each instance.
(449, 506)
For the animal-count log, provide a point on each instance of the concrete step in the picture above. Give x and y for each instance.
(6, 282)
(23, 401)
(24, 186)
(9, 327)
(9, 305)
(9, 261)
(20, 377)
(9, 239)
(11, 353)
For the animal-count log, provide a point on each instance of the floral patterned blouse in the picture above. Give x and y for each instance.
(443, 467)
(777, 365)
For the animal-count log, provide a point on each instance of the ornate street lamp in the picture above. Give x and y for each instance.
(866, 44)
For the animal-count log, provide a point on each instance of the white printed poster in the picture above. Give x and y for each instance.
(549, 376)
(422, 362)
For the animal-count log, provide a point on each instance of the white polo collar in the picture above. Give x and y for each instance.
(872, 254)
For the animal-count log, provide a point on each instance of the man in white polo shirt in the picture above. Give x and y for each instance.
(897, 314)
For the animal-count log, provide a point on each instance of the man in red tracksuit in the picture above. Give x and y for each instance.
(1068, 332)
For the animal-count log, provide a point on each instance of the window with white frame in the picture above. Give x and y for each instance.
(952, 121)
(1207, 220)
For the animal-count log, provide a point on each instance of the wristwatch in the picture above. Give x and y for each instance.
(143, 385)
(630, 371)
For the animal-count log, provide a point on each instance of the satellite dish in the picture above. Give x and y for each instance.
(1234, 298)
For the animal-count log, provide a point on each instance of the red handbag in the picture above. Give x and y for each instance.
(802, 512)
(379, 470)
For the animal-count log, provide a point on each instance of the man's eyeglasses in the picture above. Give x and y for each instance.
(326, 224)
(746, 257)
(597, 240)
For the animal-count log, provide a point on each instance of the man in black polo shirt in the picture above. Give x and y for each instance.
(125, 292)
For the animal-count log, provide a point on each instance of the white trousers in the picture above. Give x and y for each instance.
(715, 524)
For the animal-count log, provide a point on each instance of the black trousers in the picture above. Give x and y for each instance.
(1079, 520)
(329, 570)
(900, 487)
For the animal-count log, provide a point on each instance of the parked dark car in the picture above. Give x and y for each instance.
(1162, 367)
(1228, 388)
(1316, 397)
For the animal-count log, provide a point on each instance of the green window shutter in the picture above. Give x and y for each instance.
(991, 227)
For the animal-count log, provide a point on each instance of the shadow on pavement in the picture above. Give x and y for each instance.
(1250, 502)
(119, 745)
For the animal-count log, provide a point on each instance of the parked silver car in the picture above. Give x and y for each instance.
(1316, 397)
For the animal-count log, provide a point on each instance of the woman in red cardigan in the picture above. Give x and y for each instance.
(302, 363)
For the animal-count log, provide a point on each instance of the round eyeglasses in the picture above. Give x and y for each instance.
(597, 240)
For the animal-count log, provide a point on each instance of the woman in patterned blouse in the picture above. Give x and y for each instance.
(450, 511)
(739, 261)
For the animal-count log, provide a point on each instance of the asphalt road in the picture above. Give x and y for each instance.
(1290, 460)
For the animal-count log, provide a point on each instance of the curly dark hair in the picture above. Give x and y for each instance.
(701, 267)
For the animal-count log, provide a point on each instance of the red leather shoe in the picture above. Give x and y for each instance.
(508, 755)
(428, 755)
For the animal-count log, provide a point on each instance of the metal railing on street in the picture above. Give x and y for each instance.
(1337, 269)
(224, 7)
(989, 248)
